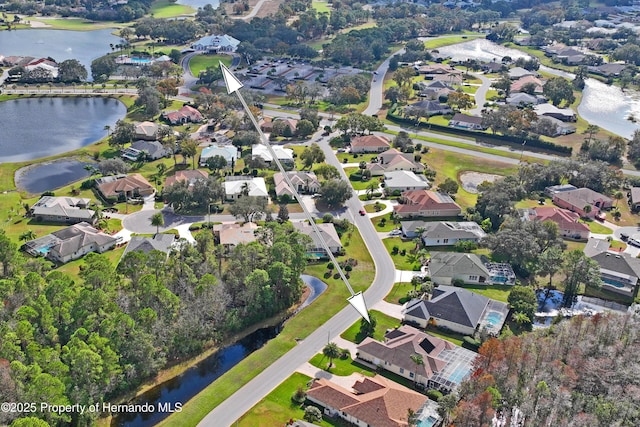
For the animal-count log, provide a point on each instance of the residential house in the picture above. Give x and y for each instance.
(568, 222)
(447, 267)
(464, 121)
(441, 358)
(232, 235)
(147, 131)
(550, 110)
(401, 162)
(285, 155)
(521, 83)
(371, 401)
(456, 309)
(443, 233)
(492, 67)
(442, 69)
(67, 210)
(369, 144)
(190, 176)
(428, 108)
(45, 65)
(619, 272)
(402, 180)
(556, 127)
(608, 70)
(521, 99)
(186, 114)
(124, 186)
(426, 203)
(634, 198)
(576, 201)
(553, 189)
(329, 234)
(152, 150)
(70, 243)
(238, 186)
(304, 183)
(229, 152)
(516, 73)
(216, 43)
(266, 125)
(433, 89)
(159, 242)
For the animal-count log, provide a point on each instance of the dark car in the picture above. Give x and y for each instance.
(624, 236)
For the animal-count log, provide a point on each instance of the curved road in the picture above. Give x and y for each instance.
(251, 393)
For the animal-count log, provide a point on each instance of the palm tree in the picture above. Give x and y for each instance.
(162, 168)
(331, 350)
(587, 209)
(520, 318)
(28, 235)
(189, 149)
(418, 361)
(618, 195)
(371, 187)
(157, 219)
(418, 239)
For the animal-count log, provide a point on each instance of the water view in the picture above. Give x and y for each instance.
(32, 128)
(199, 3)
(603, 105)
(51, 175)
(84, 46)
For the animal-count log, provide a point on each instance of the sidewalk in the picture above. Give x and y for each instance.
(346, 382)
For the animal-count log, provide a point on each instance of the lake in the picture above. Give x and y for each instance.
(199, 3)
(85, 46)
(32, 128)
(603, 105)
(51, 175)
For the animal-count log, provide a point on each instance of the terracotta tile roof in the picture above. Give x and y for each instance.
(565, 219)
(189, 176)
(370, 141)
(421, 200)
(134, 182)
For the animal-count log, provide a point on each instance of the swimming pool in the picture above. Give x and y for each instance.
(427, 422)
(457, 375)
(494, 318)
(139, 60)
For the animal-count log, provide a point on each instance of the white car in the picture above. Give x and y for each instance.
(395, 232)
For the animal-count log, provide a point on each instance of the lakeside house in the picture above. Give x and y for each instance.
(329, 234)
(186, 114)
(147, 131)
(119, 187)
(66, 210)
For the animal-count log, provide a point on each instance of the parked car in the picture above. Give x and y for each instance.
(362, 212)
(624, 236)
(634, 240)
(395, 232)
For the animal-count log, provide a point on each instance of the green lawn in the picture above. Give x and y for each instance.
(201, 62)
(341, 367)
(496, 292)
(75, 24)
(321, 6)
(402, 262)
(384, 322)
(300, 326)
(447, 41)
(398, 294)
(357, 185)
(388, 224)
(73, 268)
(452, 337)
(163, 9)
(357, 158)
(597, 228)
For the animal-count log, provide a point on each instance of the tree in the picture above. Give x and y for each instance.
(417, 361)
(367, 329)
(149, 100)
(402, 141)
(503, 84)
(327, 171)
(449, 186)
(579, 270)
(590, 131)
(248, 207)
(459, 100)
(304, 128)
(332, 351)
(102, 68)
(71, 71)
(27, 235)
(312, 414)
(122, 134)
(587, 209)
(549, 263)
(312, 154)
(157, 220)
(216, 163)
(283, 213)
(522, 299)
(335, 192)
(189, 148)
(446, 405)
(412, 418)
(618, 195)
(558, 89)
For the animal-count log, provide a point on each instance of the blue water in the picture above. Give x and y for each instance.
(427, 422)
(199, 3)
(613, 283)
(140, 60)
(494, 318)
(51, 175)
(458, 375)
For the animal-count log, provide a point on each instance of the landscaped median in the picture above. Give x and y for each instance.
(307, 321)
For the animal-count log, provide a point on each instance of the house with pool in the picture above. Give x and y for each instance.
(444, 366)
(619, 272)
(315, 248)
(457, 310)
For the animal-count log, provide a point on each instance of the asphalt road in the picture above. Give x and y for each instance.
(251, 393)
(376, 94)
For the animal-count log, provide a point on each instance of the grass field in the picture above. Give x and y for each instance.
(321, 6)
(357, 185)
(597, 228)
(300, 326)
(402, 262)
(398, 293)
(76, 24)
(384, 322)
(496, 292)
(163, 9)
(341, 367)
(449, 40)
(201, 62)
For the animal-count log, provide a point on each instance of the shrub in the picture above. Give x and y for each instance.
(434, 394)
(457, 282)
(344, 354)
(336, 276)
(330, 266)
(312, 414)
(403, 252)
(299, 395)
(348, 268)
(327, 218)
(327, 274)
(395, 250)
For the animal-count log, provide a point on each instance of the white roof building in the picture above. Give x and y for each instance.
(217, 43)
(236, 186)
(285, 155)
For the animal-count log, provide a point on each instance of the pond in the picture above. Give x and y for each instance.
(51, 175)
(195, 379)
(84, 46)
(199, 3)
(550, 307)
(603, 105)
(32, 128)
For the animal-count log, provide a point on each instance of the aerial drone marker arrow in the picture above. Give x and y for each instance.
(233, 84)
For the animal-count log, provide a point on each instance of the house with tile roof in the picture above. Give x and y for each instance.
(441, 358)
(619, 272)
(120, 187)
(190, 176)
(576, 200)
(232, 235)
(237, 186)
(516, 73)
(402, 180)
(433, 89)
(48, 66)
(568, 222)
(453, 308)
(159, 242)
(216, 43)
(66, 210)
(229, 152)
(186, 114)
(369, 144)
(147, 131)
(371, 401)
(426, 203)
(304, 183)
(519, 84)
(70, 243)
(329, 234)
(521, 99)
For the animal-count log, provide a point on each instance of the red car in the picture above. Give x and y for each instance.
(362, 212)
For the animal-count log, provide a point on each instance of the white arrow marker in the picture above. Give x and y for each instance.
(233, 84)
(231, 81)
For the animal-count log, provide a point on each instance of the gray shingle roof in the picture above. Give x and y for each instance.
(450, 303)
(159, 242)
